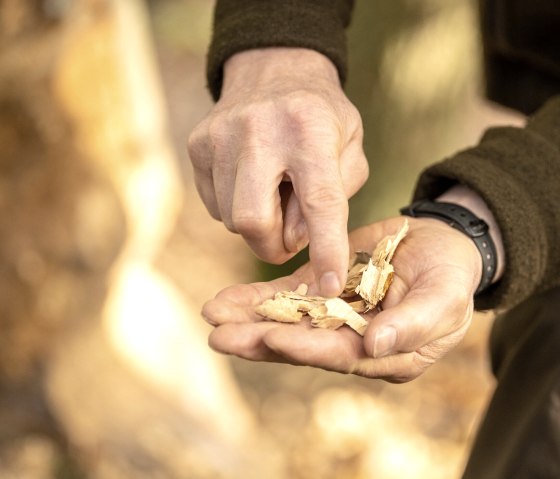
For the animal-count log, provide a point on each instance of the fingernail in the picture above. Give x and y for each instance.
(300, 235)
(296, 237)
(385, 340)
(329, 284)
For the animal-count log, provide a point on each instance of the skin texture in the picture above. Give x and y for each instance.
(278, 157)
(276, 160)
(426, 312)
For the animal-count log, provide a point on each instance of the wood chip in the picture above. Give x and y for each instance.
(339, 308)
(302, 289)
(369, 278)
(378, 275)
(359, 306)
(328, 322)
(358, 263)
(284, 310)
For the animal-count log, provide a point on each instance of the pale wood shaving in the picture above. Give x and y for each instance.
(359, 306)
(378, 275)
(328, 322)
(283, 310)
(358, 263)
(305, 303)
(318, 312)
(339, 308)
(302, 289)
(369, 278)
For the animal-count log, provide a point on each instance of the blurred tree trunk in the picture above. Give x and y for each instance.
(88, 195)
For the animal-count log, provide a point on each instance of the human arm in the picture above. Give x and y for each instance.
(280, 154)
(516, 172)
(512, 183)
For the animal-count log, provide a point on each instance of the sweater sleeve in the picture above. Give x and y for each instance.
(517, 172)
(246, 24)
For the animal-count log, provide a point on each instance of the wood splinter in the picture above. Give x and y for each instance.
(369, 278)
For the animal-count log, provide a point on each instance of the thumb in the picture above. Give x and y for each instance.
(437, 315)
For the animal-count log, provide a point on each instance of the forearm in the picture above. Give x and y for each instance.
(515, 171)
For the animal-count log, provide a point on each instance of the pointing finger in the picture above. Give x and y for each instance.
(324, 206)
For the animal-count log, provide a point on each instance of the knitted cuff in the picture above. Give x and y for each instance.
(247, 24)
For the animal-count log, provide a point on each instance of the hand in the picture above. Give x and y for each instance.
(426, 311)
(278, 157)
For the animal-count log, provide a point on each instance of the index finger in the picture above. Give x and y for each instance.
(324, 206)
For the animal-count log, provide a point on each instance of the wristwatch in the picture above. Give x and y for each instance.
(468, 223)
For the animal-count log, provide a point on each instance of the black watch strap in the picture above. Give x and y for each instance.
(464, 220)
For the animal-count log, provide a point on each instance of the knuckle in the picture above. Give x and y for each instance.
(255, 126)
(251, 225)
(227, 220)
(402, 379)
(214, 212)
(354, 117)
(255, 117)
(306, 109)
(211, 207)
(195, 142)
(206, 141)
(216, 129)
(323, 197)
(362, 170)
(205, 192)
(231, 227)
(273, 257)
(252, 151)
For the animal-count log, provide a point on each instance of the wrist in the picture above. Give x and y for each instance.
(469, 225)
(266, 66)
(469, 199)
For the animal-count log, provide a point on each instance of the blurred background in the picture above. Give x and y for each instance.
(107, 254)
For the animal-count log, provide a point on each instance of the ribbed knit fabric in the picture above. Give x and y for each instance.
(517, 172)
(245, 24)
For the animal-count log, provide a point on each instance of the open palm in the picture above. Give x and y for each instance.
(426, 311)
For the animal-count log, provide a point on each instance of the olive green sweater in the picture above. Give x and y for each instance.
(516, 170)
